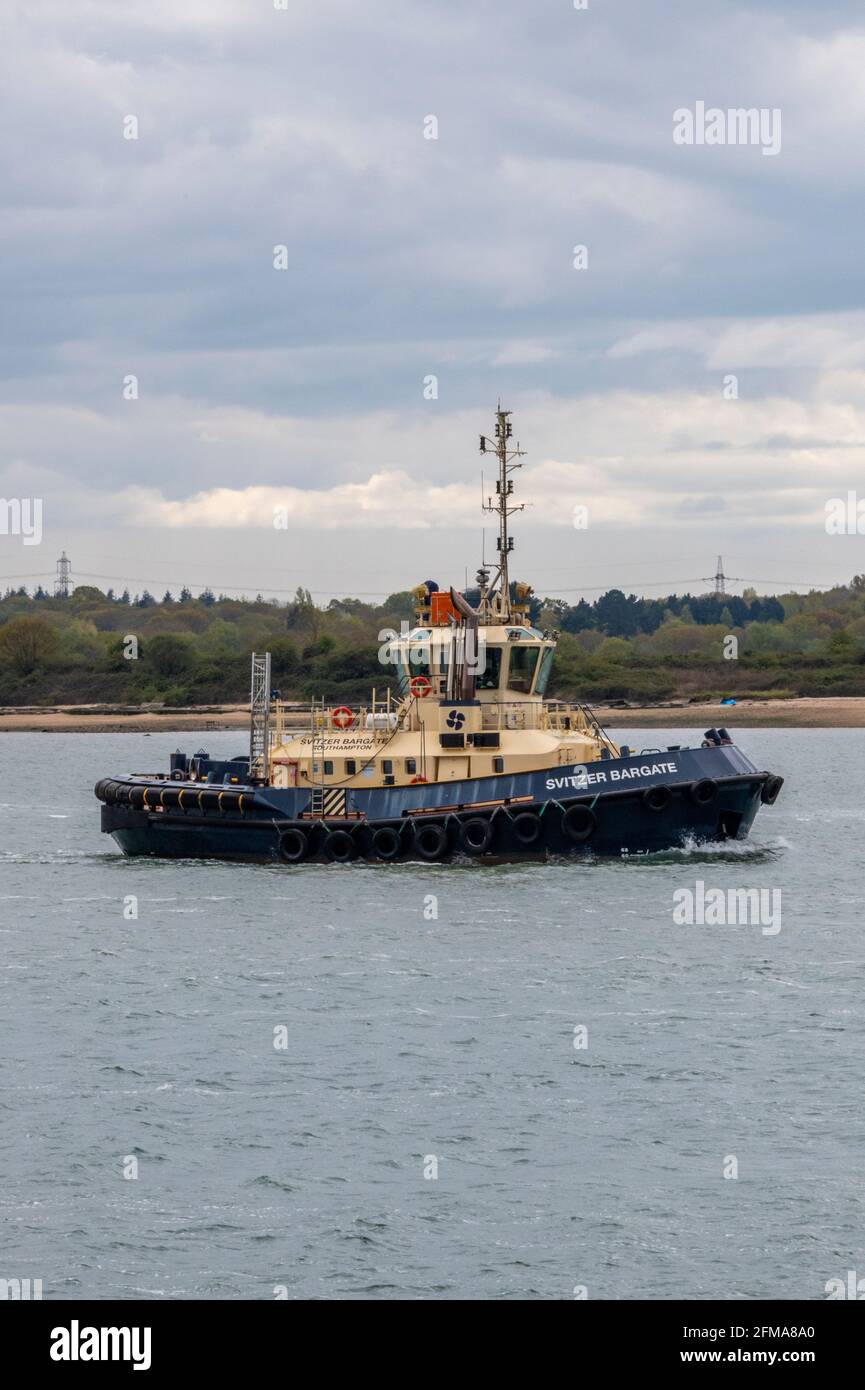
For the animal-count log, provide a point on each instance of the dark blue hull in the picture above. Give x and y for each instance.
(637, 805)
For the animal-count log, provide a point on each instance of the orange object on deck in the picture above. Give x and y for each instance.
(442, 610)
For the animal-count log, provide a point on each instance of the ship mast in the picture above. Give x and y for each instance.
(495, 601)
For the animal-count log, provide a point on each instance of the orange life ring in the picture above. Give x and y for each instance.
(342, 717)
(420, 687)
(418, 779)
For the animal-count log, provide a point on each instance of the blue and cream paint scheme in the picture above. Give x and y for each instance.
(463, 754)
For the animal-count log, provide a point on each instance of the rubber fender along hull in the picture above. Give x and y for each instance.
(616, 824)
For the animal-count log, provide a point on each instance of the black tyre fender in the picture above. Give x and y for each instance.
(386, 843)
(293, 845)
(703, 793)
(340, 847)
(476, 835)
(579, 822)
(527, 827)
(657, 798)
(770, 789)
(431, 841)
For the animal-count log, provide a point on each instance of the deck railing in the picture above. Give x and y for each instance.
(379, 718)
(557, 716)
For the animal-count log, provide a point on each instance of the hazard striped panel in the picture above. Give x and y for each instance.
(334, 801)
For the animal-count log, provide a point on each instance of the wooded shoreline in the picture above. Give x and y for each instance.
(803, 713)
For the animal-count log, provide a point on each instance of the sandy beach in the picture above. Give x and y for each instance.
(846, 713)
(98, 719)
(800, 713)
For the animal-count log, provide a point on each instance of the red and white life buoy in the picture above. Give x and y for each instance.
(420, 687)
(342, 717)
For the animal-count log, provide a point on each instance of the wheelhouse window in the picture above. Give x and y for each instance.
(350, 767)
(523, 661)
(387, 765)
(544, 672)
(418, 661)
(488, 679)
(410, 664)
(412, 658)
(328, 769)
(411, 765)
(498, 764)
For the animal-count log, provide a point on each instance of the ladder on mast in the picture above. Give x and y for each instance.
(259, 710)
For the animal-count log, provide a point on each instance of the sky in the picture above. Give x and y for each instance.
(343, 229)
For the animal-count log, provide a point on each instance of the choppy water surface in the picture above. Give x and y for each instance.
(411, 1038)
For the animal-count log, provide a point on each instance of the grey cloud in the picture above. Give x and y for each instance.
(407, 257)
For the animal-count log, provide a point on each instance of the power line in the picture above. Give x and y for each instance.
(185, 583)
(45, 574)
(223, 588)
(669, 584)
(115, 559)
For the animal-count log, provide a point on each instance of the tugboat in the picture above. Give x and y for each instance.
(466, 757)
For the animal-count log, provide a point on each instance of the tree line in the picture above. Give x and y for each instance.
(111, 648)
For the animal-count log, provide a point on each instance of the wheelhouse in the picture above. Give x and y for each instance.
(505, 662)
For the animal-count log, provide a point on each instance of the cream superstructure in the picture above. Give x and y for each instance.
(470, 691)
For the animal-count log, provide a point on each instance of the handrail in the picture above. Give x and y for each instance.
(318, 719)
(598, 728)
(390, 715)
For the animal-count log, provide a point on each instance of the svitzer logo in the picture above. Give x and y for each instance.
(76, 1343)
